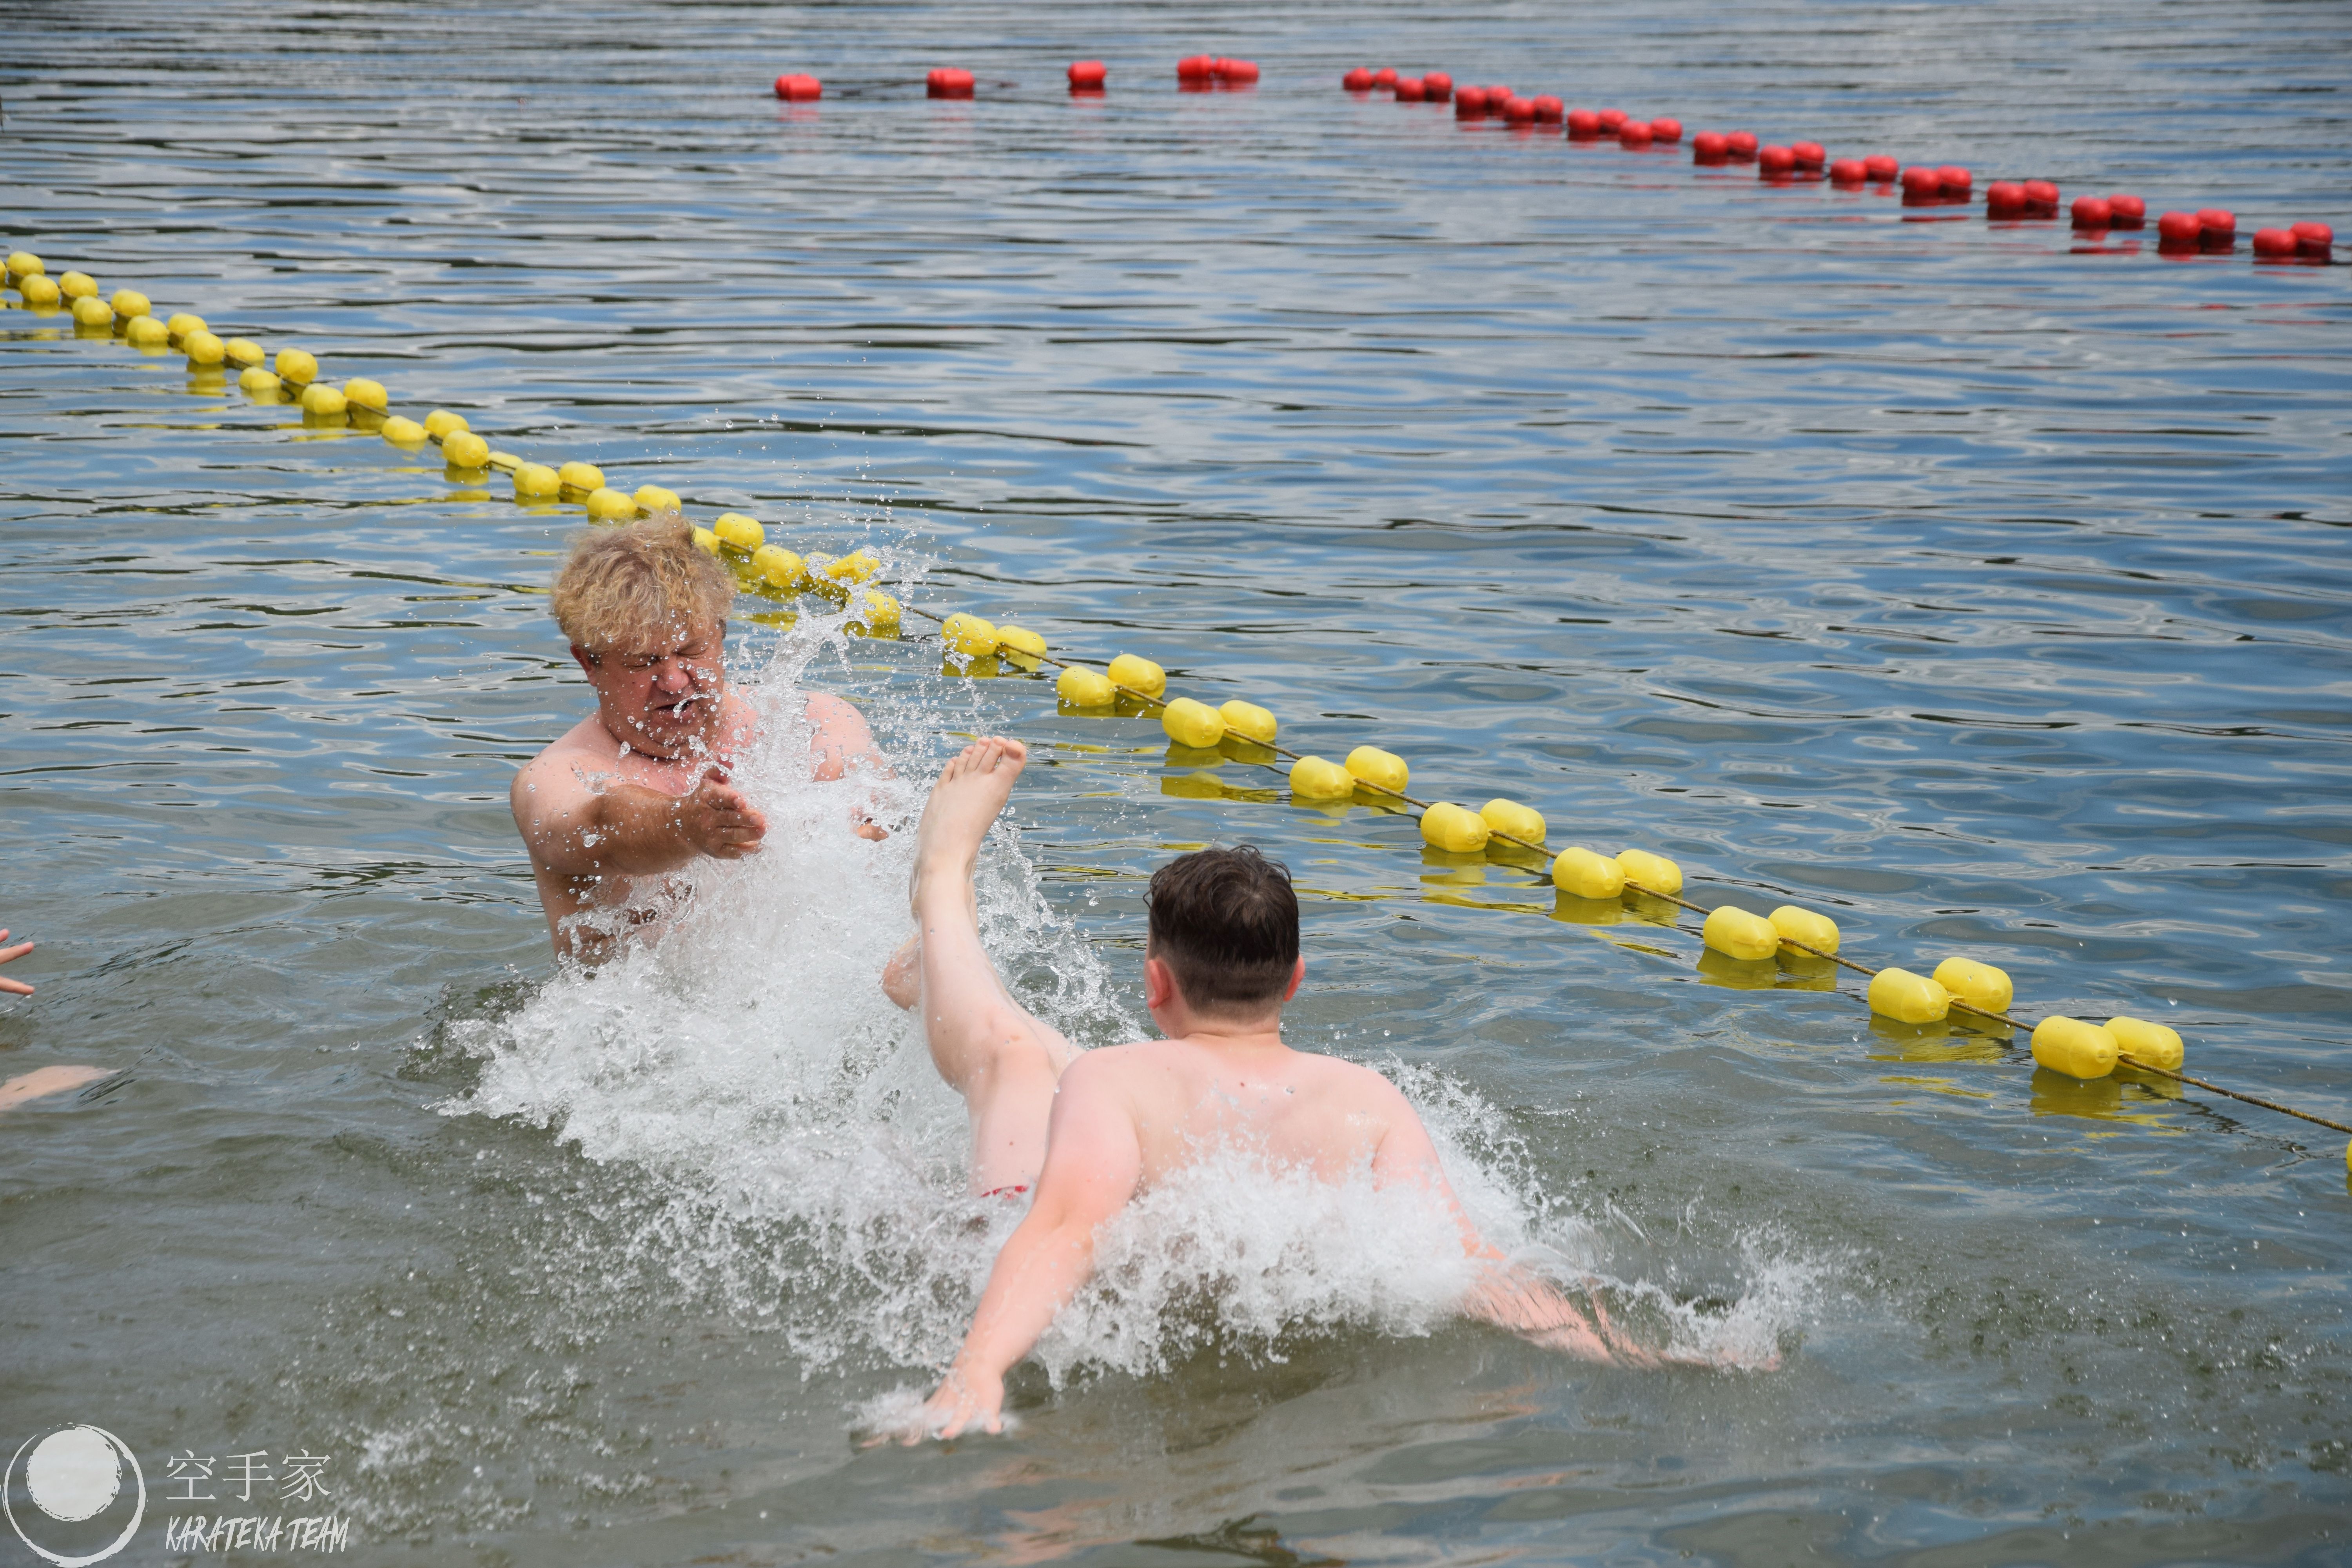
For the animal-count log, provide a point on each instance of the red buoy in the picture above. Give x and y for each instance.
(1384, 77)
(2041, 199)
(1954, 180)
(1196, 68)
(1583, 125)
(1634, 133)
(2217, 220)
(1848, 172)
(1237, 73)
(1357, 81)
(949, 82)
(2178, 231)
(1921, 185)
(2092, 213)
(1496, 96)
(1409, 90)
(798, 89)
(1774, 163)
(1437, 87)
(1667, 130)
(2128, 212)
(2315, 240)
(1707, 147)
(1881, 166)
(1470, 103)
(1518, 111)
(1610, 119)
(1740, 144)
(1548, 109)
(1088, 76)
(2004, 198)
(2273, 244)
(1808, 154)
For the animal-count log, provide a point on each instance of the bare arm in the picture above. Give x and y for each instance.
(1505, 1294)
(581, 829)
(1093, 1162)
(842, 741)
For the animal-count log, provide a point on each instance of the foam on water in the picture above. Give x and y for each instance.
(809, 1167)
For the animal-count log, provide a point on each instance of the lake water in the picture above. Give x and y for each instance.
(1986, 589)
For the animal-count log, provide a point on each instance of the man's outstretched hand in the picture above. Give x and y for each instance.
(964, 1401)
(14, 987)
(719, 820)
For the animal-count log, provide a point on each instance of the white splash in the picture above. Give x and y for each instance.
(811, 1166)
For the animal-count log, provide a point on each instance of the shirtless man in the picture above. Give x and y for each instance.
(640, 789)
(1089, 1131)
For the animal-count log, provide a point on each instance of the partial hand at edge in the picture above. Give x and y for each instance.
(14, 987)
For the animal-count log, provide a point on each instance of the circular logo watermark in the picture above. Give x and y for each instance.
(71, 1476)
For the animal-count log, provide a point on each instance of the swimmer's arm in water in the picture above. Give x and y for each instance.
(1505, 1295)
(1093, 1163)
(843, 740)
(581, 828)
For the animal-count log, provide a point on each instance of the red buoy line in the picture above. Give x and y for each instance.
(2207, 231)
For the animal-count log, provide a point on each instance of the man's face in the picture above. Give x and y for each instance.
(661, 696)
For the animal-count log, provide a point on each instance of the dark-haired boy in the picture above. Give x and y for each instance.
(1088, 1130)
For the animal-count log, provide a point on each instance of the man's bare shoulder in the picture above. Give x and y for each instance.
(563, 769)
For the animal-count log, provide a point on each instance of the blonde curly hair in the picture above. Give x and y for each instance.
(623, 585)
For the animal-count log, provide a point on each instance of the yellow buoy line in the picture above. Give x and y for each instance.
(2074, 1046)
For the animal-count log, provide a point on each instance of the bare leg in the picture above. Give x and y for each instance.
(1002, 1061)
(47, 1080)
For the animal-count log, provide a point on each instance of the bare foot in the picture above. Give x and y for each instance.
(902, 978)
(971, 794)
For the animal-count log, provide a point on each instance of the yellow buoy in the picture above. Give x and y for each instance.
(1020, 640)
(1381, 770)
(1083, 688)
(320, 401)
(536, 481)
(402, 432)
(362, 392)
(259, 383)
(2073, 1047)
(1981, 986)
(128, 304)
(1814, 931)
(966, 633)
(1654, 873)
(1518, 821)
(607, 504)
(779, 567)
(737, 531)
(40, 292)
(202, 348)
(505, 461)
(441, 421)
(1312, 778)
(296, 365)
(1192, 723)
(1907, 998)
(1138, 675)
(2150, 1045)
(147, 334)
(858, 566)
(1578, 871)
(179, 323)
(242, 351)
(1249, 720)
(576, 474)
(876, 612)
(1456, 829)
(78, 286)
(90, 310)
(23, 264)
(654, 500)
(1736, 933)
(463, 450)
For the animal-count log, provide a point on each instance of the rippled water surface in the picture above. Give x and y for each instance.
(1981, 586)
